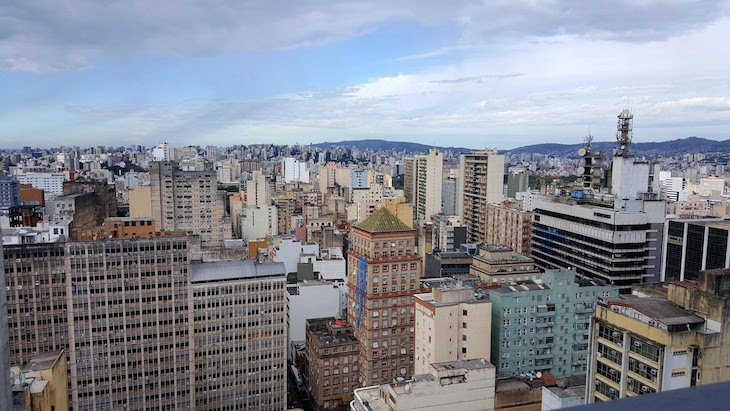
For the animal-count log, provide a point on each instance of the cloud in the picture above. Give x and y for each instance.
(45, 36)
(477, 78)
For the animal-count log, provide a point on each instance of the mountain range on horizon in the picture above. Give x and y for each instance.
(660, 148)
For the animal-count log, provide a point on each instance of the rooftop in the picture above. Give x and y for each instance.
(234, 270)
(330, 331)
(528, 285)
(659, 309)
(383, 221)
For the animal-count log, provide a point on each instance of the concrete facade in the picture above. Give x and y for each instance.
(544, 327)
(452, 323)
(482, 182)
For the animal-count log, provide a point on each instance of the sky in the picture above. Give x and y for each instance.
(461, 73)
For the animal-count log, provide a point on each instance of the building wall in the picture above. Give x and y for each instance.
(239, 334)
(258, 222)
(547, 326)
(5, 383)
(140, 202)
(311, 301)
(442, 337)
(369, 299)
(509, 227)
(482, 182)
(188, 200)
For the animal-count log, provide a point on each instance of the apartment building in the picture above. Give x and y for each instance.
(428, 184)
(652, 344)
(453, 323)
(482, 183)
(49, 182)
(448, 232)
(508, 225)
(238, 313)
(496, 264)
(128, 315)
(409, 179)
(693, 245)
(5, 394)
(384, 274)
(332, 362)
(120, 310)
(544, 327)
(456, 385)
(189, 200)
(258, 189)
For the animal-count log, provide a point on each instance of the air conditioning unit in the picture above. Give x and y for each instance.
(645, 388)
(612, 390)
(653, 371)
(612, 371)
(637, 344)
(615, 333)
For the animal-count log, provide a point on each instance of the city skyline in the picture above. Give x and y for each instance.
(487, 75)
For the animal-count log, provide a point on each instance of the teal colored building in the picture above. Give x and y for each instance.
(544, 326)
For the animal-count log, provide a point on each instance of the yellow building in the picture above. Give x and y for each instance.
(644, 345)
(41, 385)
(401, 209)
(453, 323)
(140, 202)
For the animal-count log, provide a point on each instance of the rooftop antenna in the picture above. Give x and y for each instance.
(624, 133)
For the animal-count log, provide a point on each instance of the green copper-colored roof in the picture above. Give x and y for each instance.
(381, 221)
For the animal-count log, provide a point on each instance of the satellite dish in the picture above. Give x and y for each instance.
(581, 170)
(538, 374)
(615, 151)
(581, 152)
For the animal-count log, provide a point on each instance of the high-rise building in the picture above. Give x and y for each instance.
(332, 362)
(428, 184)
(142, 328)
(409, 180)
(211, 154)
(509, 226)
(453, 323)
(189, 200)
(240, 334)
(161, 152)
(258, 222)
(482, 182)
(615, 237)
(518, 180)
(450, 191)
(448, 232)
(258, 189)
(294, 170)
(120, 310)
(9, 192)
(544, 327)
(5, 383)
(693, 245)
(384, 274)
(48, 182)
(653, 344)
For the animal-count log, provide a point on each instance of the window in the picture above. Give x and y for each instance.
(463, 312)
(463, 325)
(463, 350)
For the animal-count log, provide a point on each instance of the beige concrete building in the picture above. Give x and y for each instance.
(452, 323)
(140, 202)
(429, 170)
(509, 226)
(457, 385)
(258, 190)
(409, 180)
(384, 274)
(238, 315)
(645, 345)
(190, 201)
(482, 183)
(41, 385)
(496, 264)
(332, 362)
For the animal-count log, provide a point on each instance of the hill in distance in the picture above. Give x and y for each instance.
(662, 148)
(385, 145)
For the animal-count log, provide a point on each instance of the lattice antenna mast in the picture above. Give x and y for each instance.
(624, 133)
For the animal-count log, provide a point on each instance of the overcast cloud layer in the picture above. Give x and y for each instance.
(514, 72)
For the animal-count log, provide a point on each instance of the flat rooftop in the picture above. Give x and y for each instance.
(659, 309)
(234, 270)
(474, 364)
(520, 286)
